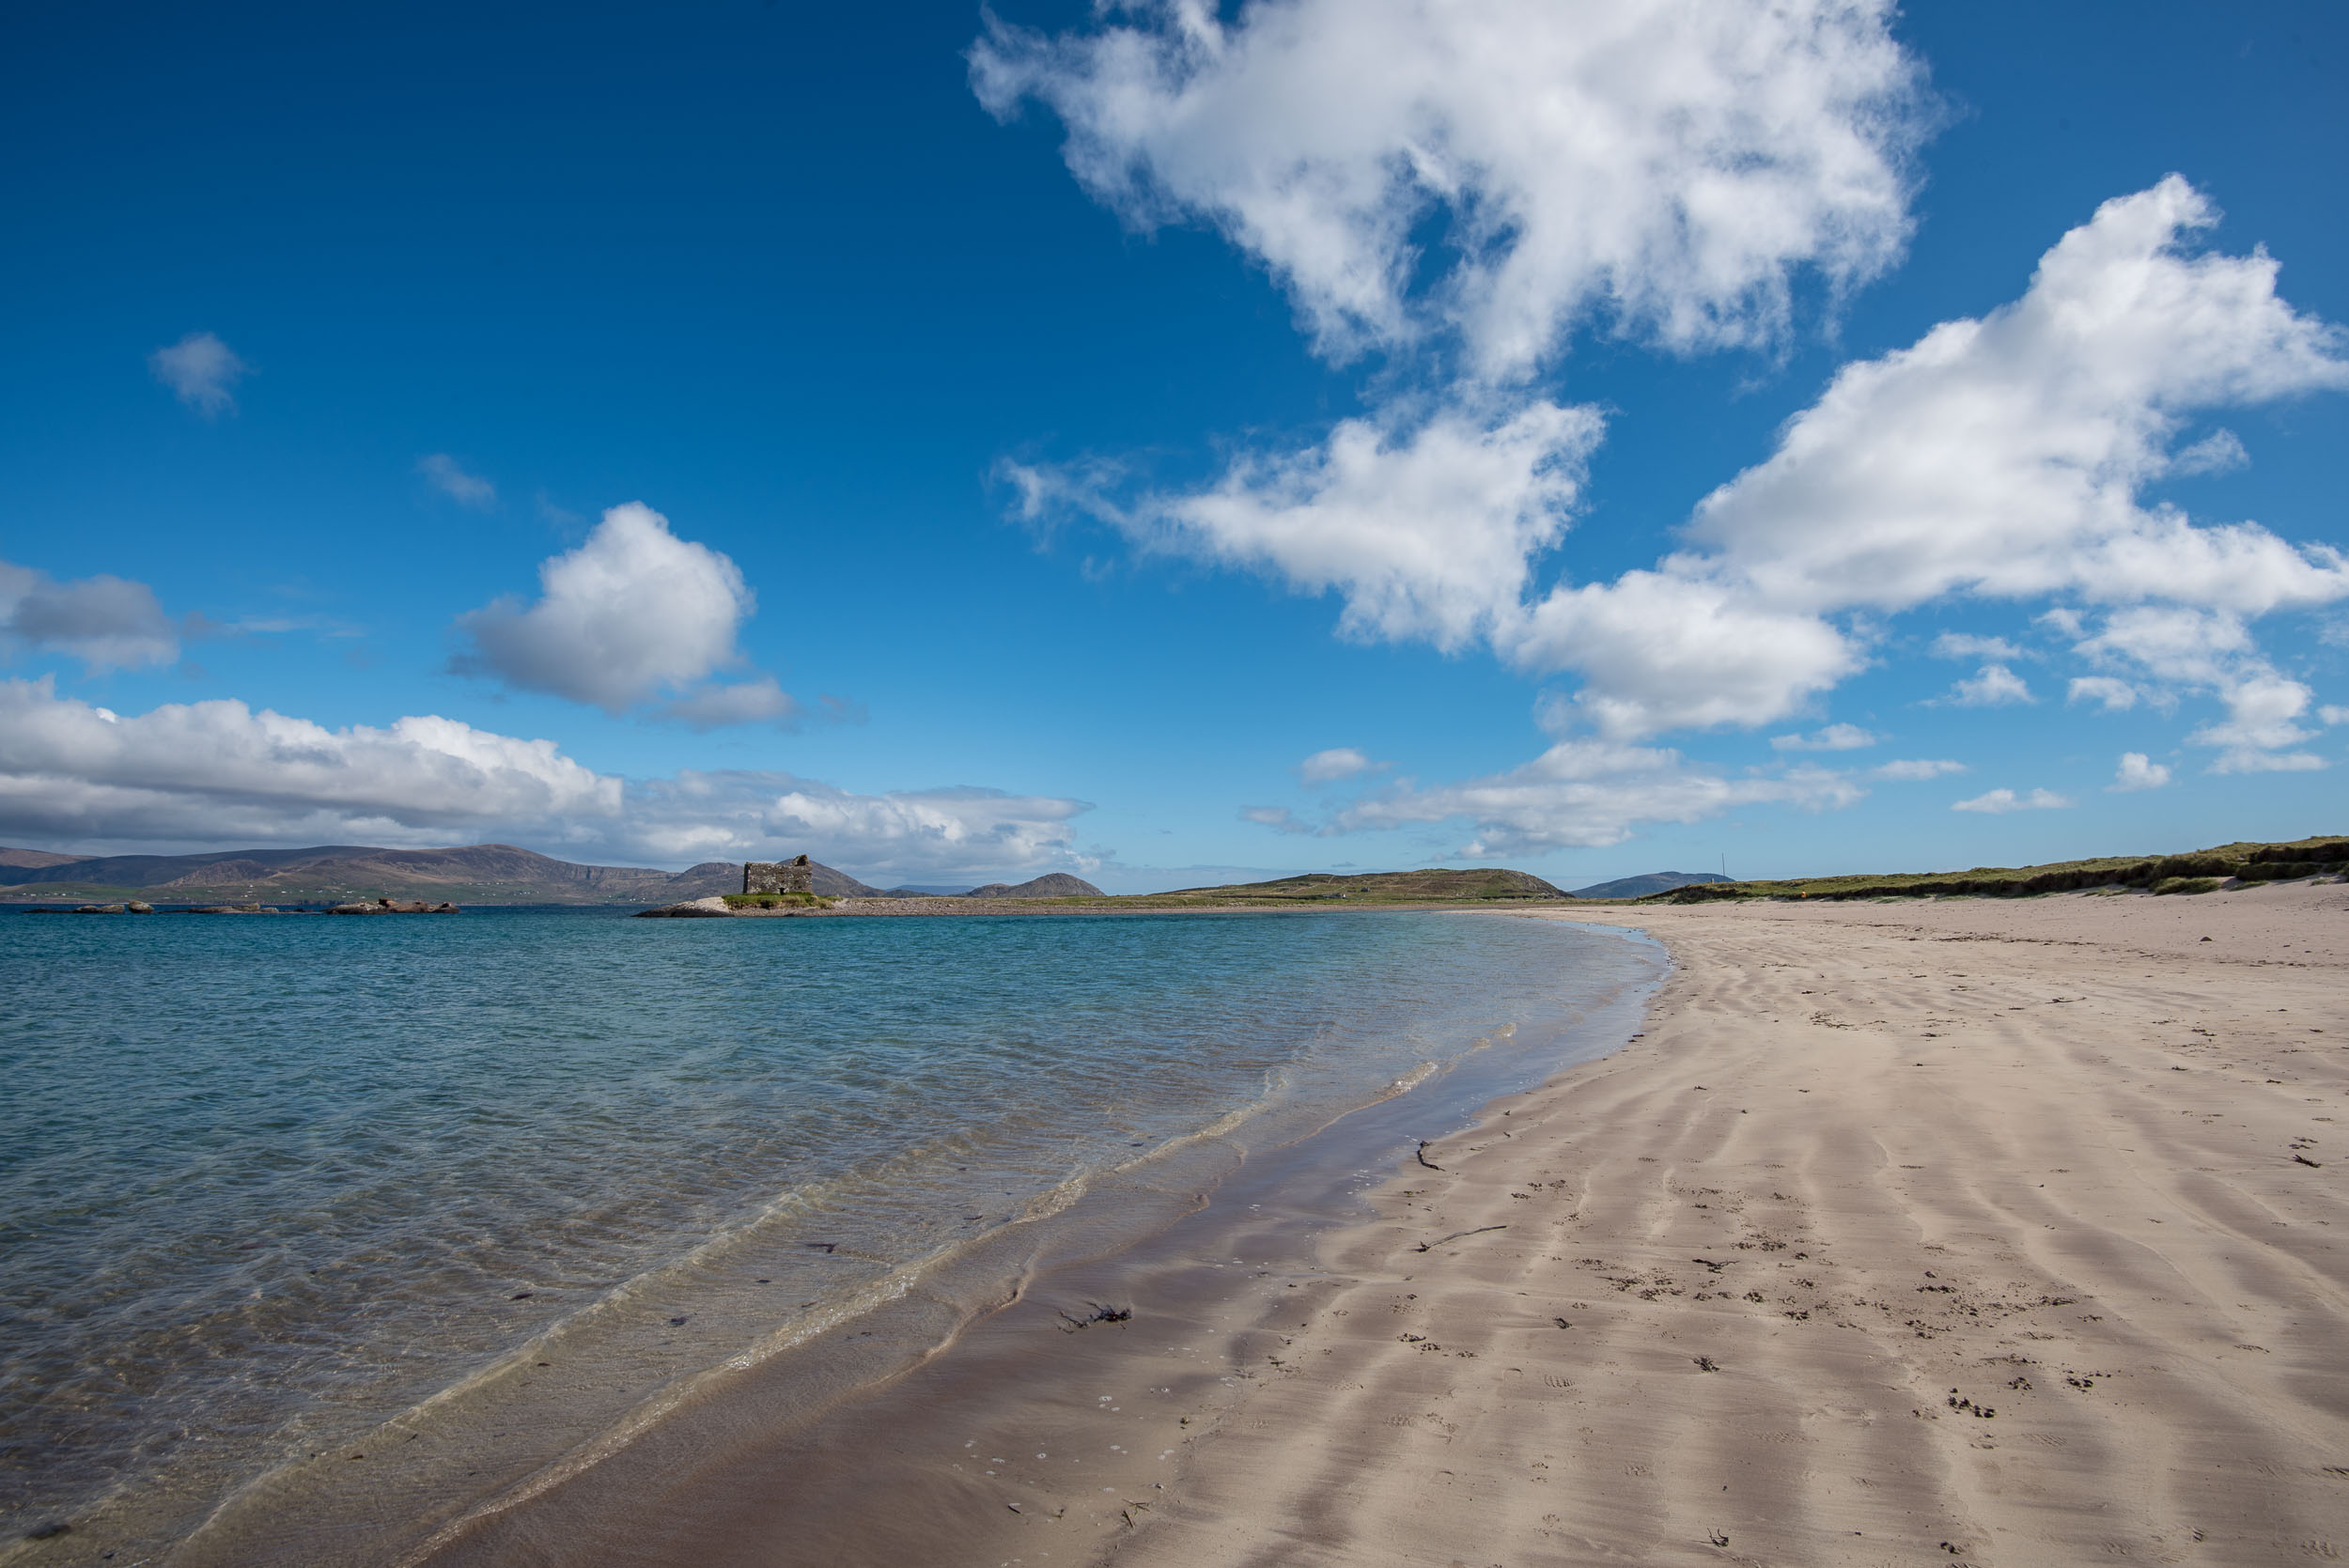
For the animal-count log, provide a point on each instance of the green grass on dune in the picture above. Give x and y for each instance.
(2200, 870)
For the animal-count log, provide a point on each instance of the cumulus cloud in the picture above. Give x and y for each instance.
(1673, 163)
(2114, 695)
(1338, 762)
(220, 773)
(1425, 530)
(2263, 710)
(201, 370)
(1279, 819)
(1586, 792)
(218, 770)
(1912, 769)
(2000, 801)
(633, 613)
(2332, 715)
(1997, 457)
(2213, 651)
(2138, 771)
(447, 475)
(1834, 738)
(933, 832)
(1992, 686)
(1660, 650)
(2000, 457)
(108, 623)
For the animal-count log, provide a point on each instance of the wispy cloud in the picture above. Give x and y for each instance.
(201, 371)
(2000, 801)
(1993, 685)
(2115, 695)
(1960, 645)
(1835, 737)
(1338, 762)
(1912, 770)
(447, 475)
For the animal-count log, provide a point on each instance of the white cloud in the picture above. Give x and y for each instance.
(2000, 801)
(201, 370)
(930, 833)
(2219, 452)
(1586, 792)
(2188, 646)
(2332, 715)
(2262, 723)
(2213, 651)
(2118, 696)
(1997, 457)
(218, 771)
(1279, 819)
(1673, 163)
(1992, 686)
(1338, 762)
(1913, 769)
(1661, 650)
(1962, 645)
(1834, 738)
(2002, 455)
(2138, 771)
(1426, 532)
(106, 622)
(446, 475)
(632, 612)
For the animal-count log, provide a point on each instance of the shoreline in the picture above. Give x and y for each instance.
(1963, 1231)
(320, 1510)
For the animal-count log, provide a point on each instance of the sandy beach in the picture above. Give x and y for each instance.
(1979, 1231)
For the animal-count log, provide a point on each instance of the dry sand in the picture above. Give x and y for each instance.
(1955, 1232)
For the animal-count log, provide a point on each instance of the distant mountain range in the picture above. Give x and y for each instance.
(477, 873)
(1654, 881)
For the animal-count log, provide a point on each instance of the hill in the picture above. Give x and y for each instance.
(476, 874)
(1484, 884)
(1648, 882)
(1052, 884)
(2197, 871)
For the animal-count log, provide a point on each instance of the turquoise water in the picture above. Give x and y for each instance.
(267, 1182)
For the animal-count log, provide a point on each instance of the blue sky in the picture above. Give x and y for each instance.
(1163, 444)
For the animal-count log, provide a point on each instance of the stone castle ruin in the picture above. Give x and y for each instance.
(791, 875)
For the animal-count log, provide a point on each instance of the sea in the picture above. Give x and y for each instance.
(277, 1190)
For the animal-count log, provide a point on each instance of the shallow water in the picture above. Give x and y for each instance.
(266, 1183)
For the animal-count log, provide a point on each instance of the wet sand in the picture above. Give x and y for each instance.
(1964, 1231)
